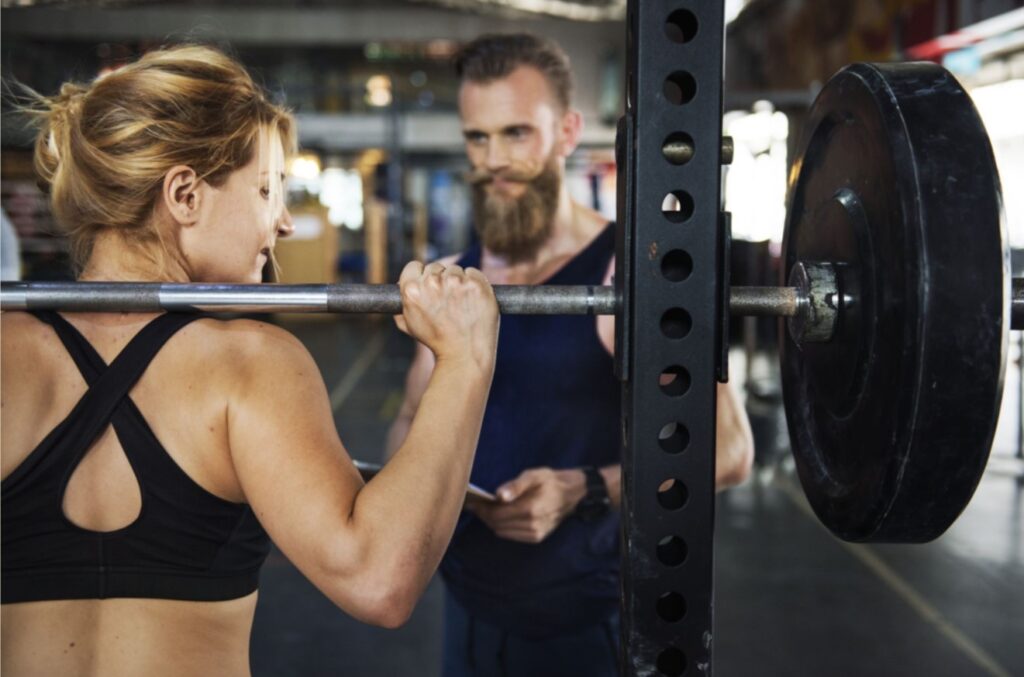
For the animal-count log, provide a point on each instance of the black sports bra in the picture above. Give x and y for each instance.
(185, 544)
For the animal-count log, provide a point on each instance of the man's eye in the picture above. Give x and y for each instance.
(265, 192)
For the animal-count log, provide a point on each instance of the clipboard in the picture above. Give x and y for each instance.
(368, 470)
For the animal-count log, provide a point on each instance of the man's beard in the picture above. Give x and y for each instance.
(516, 227)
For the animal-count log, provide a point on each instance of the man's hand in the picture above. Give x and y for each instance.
(533, 504)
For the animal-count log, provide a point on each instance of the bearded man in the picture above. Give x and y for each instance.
(532, 579)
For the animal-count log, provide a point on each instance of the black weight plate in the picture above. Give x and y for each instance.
(892, 420)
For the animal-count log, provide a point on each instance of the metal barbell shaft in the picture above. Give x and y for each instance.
(336, 298)
(766, 301)
(259, 298)
(364, 298)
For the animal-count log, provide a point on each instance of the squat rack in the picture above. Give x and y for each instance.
(670, 260)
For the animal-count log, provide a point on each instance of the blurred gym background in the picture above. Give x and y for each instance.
(379, 181)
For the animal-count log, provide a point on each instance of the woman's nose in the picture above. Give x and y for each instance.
(285, 225)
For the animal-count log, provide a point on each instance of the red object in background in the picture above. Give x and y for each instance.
(924, 20)
(932, 28)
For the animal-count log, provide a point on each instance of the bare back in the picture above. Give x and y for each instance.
(183, 397)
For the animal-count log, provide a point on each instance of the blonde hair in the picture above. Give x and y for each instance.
(104, 148)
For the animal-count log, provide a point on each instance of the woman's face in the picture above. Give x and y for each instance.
(239, 222)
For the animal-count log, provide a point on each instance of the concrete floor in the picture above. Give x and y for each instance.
(789, 600)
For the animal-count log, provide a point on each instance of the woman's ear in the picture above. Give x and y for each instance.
(181, 194)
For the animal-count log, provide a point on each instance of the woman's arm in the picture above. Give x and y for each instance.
(370, 548)
(416, 382)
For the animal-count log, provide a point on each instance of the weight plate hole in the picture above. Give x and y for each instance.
(673, 438)
(681, 26)
(672, 494)
(677, 206)
(678, 148)
(671, 551)
(676, 323)
(679, 88)
(671, 662)
(676, 265)
(674, 381)
(671, 607)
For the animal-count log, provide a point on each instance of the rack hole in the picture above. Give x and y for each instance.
(674, 381)
(672, 551)
(673, 438)
(676, 323)
(677, 206)
(679, 88)
(671, 662)
(671, 607)
(678, 148)
(676, 265)
(672, 494)
(681, 26)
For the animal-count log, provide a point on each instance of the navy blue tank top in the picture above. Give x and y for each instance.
(554, 403)
(185, 544)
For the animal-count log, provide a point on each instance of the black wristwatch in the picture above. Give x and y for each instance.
(596, 502)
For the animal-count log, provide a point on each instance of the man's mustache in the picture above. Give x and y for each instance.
(481, 177)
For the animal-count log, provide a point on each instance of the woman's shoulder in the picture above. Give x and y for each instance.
(242, 336)
(19, 320)
(243, 344)
(23, 332)
(212, 345)
(245, 363)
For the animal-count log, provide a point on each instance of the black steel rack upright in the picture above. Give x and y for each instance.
(670, 265)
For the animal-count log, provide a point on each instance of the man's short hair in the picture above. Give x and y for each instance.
(492, 57)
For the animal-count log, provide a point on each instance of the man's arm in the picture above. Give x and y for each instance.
(734, 442)
(539, 499)
(535, 503)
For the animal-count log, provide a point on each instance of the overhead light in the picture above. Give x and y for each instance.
(441, 49)
(342, 194)
(304, 166)
(378, 91)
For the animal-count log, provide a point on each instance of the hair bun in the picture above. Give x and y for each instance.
(104, 147)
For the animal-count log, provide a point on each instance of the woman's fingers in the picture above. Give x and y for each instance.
(412, 271)
(448, 308)
(402, 326)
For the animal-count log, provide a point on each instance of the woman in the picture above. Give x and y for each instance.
(136, 495)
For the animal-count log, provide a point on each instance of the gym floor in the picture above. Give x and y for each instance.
(789, 600)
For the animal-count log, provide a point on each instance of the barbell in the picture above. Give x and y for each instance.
(897, 296)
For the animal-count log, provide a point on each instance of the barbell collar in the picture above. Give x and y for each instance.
(817, 285)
